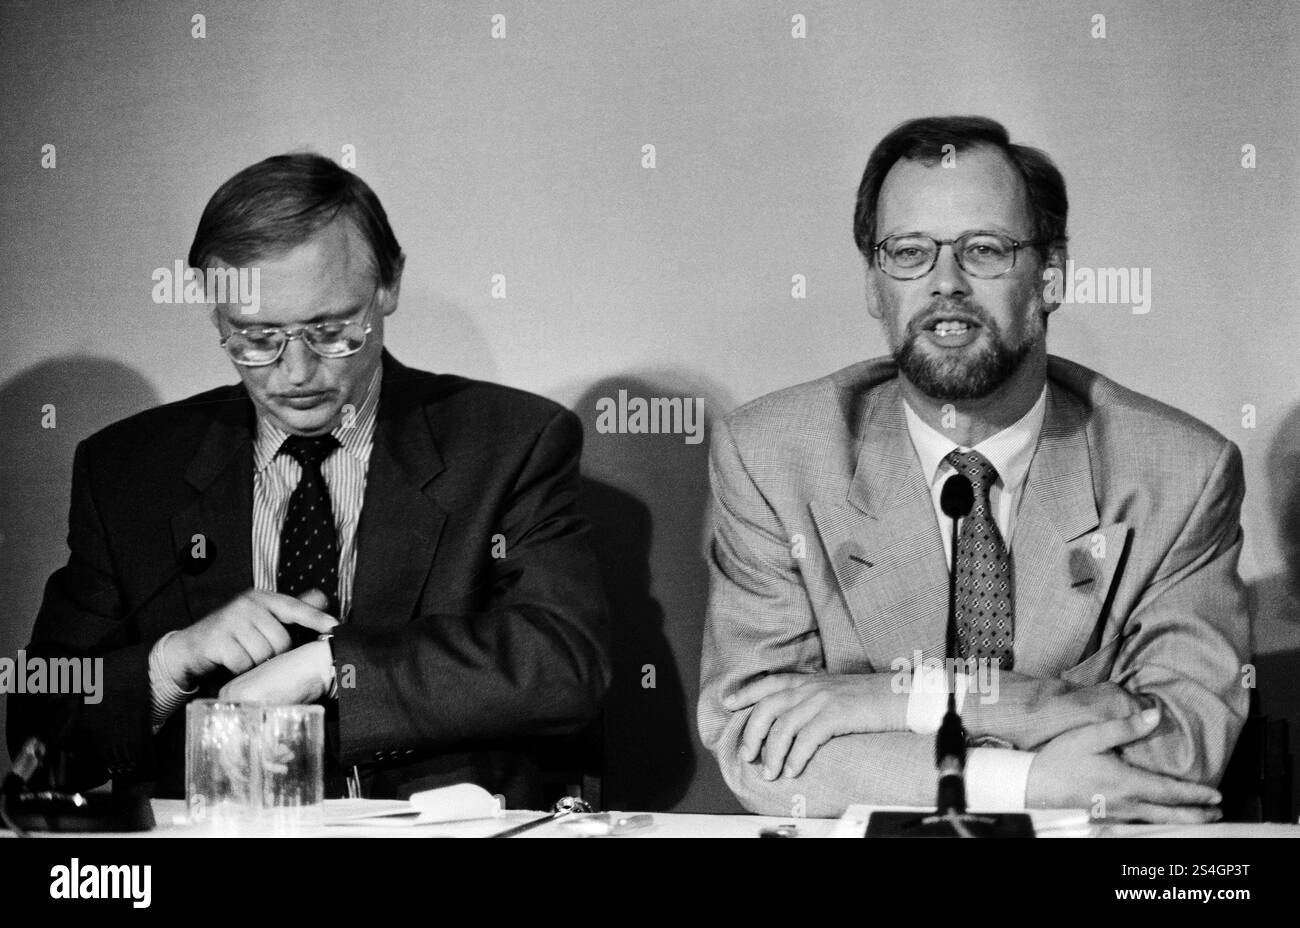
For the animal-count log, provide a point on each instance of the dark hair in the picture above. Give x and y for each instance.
(281, 202)
(923, 140)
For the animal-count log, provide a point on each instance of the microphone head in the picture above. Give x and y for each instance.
(196, 558)
(958, 497)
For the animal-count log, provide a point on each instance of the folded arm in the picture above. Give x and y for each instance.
(760, 622)
(1188, 638)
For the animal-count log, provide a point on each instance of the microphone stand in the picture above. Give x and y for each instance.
(950, 819)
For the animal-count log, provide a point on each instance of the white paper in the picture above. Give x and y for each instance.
(458, 803)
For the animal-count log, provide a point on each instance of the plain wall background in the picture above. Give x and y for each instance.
(522, 156)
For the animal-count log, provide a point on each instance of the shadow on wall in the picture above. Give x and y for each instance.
(648, 496)
(1275, 599)
(44, 412)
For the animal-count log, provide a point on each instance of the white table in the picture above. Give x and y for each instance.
(172, 823)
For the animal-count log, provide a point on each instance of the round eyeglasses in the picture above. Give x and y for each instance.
(910, 255)
(257, 346)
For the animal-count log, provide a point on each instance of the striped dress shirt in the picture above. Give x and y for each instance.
(275, 476)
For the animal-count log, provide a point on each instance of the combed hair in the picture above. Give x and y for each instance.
(923, 140)
(277, 204)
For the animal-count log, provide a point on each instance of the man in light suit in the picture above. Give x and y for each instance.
(1096, 572)
(427, 522)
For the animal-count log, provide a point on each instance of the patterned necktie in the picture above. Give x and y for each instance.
(309, 548)
(985, 614)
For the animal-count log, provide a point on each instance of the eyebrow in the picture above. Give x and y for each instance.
(1003, 230)
(334, 315)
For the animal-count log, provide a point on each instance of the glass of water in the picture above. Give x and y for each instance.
(291, 753)
(223, 784)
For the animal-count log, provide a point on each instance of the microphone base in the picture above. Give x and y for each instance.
(84, 813)
(912, 825)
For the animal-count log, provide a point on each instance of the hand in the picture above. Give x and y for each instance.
(1080, 767)
(247, 631)
(796, 713)
(298, 677)
(1028, 712)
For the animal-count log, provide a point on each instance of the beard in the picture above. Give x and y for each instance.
(970, 374)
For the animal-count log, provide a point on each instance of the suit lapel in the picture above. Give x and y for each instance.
(221, 516)
(1064, 561)
(886, 550)
(400, 521)
(884, 543)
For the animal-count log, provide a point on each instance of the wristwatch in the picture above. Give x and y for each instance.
(333, 691)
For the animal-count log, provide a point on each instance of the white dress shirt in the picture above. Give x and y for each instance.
(995, 778)
(275, 476)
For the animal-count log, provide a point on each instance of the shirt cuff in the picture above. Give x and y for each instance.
(996, 779)
(165, 694)
(927, 701)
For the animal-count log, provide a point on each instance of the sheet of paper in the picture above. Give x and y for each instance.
(461, 802)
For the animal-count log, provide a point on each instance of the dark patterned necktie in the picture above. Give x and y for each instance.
(309, 548)
(985, 614)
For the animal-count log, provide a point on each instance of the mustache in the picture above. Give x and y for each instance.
(947, 309)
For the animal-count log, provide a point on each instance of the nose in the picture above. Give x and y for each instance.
(298, 363)
(946, 277)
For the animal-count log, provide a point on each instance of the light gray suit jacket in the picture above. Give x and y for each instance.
(1124, 558)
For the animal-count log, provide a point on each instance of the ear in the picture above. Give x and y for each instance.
(391, 292)
(872, 293)
(1054, 267)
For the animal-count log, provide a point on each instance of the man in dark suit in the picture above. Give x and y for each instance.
(402, 546)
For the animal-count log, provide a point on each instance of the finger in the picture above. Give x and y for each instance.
(234, 656)
(1172, 815)
(1107, 702)
(760, 720)
(269, 627)
(1144, 786)
(316, 599)
(254, 643)
(763, 687)
(1106, 736)
(783, 732)
(293, 611)
(809, 740)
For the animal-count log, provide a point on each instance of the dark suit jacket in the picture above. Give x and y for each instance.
(460, 660)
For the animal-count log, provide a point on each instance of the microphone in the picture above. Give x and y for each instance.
(188, 563)
(957, 497)
(956, 500)
(951, 818)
